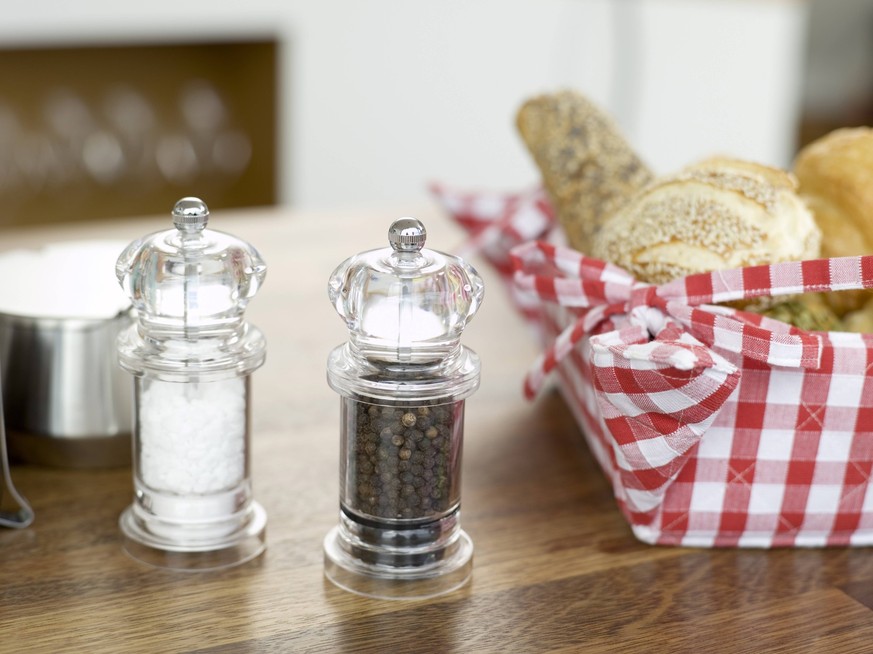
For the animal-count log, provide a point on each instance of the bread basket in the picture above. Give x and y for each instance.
(715, 427)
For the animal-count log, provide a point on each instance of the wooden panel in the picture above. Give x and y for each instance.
(121, 130)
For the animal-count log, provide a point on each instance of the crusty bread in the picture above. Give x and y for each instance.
(720, 213)
(587, 167)
(836, 181)
(859, 320)
(810, 312)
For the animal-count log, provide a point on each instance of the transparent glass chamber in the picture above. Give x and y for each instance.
(400, 461)
(192, 354)
(403, 378)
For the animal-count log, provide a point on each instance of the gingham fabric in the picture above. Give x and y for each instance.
(715, 427)
(496, 222)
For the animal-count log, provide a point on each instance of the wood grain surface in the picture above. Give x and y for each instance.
(556, 568)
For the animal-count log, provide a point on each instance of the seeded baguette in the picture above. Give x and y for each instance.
(720, 213)
(587, 167)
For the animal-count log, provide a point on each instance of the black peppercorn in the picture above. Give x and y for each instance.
(397, 466)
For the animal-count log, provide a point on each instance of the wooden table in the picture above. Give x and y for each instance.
(556, 567)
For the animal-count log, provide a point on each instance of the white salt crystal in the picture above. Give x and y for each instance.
(192, 436)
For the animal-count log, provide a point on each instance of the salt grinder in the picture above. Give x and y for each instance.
(403, 377)
(191, 353)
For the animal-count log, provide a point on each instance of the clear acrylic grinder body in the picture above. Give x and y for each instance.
(192, 354)
(403, 378)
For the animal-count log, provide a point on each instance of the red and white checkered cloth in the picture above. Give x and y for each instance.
(496, 223)
(716, 427)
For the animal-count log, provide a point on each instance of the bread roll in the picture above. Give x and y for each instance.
(720, 213)
(587, 167)
(809, 312)
(836, 181)
(859, 320)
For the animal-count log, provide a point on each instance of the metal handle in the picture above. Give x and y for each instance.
(24, 515)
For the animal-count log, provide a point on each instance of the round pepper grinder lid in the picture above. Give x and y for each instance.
(405, 303)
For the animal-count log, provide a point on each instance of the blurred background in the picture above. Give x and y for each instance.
(115, 109)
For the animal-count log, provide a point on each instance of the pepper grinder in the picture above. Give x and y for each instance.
(191, 353)
(402, 377)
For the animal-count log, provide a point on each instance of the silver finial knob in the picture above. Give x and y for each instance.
(190, 214)
(407, 235)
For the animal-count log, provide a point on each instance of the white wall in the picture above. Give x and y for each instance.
(721, 76)
(383, 96)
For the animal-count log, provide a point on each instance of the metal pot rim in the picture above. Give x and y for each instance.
(72, 323)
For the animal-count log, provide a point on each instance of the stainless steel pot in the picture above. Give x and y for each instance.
(67, 402)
